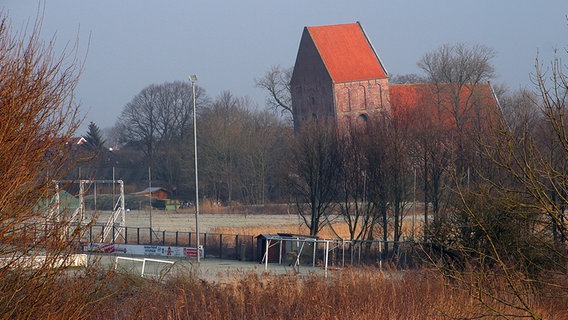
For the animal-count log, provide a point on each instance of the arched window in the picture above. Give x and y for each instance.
(363, 97)
(362, 121)
(345, 96)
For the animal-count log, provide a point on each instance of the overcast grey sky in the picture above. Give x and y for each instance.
(135, 43)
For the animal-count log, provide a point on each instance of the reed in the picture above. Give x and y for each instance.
(349, 294)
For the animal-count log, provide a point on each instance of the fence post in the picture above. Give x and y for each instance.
(237, 247)
(220, 246)
(125, 235)
(177, 235)
(163, 238)
(204, 244)
(314, 248)
(189, 239)
(254, 244)
(138, 235)
(343, 251)
(380, 255)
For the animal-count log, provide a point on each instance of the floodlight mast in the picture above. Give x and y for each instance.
(193, 79)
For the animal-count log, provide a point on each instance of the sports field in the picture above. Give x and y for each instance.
(217, 270)
(184, 221)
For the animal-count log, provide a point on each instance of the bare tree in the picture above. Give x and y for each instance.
(400, 169)
(544, 169)
(429, 149)
(158, 114)
(456, 71)
(220, 137)
(388, 170)
(519, 108)
(457, 105)
(276, 82)
(458, 64)
(315, 165)
(410, 78)
(357, 210)
(264, 141)
(38, 119)
(512, 225)
(158, 121)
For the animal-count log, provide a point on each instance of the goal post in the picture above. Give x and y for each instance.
(297, 248)
(117, 219)
(146, 267)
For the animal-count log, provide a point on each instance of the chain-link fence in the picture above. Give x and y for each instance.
(253, 248)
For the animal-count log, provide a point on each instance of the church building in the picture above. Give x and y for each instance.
(338, 76)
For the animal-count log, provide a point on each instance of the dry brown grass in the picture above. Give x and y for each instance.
(326, 232)
(262, 229)
(349, 294)
(340, 228)
(61, 294)
(211, 207)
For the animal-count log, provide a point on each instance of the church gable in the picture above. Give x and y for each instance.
(311, 84)
(309, 65)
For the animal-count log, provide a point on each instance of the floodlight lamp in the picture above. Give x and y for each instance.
(192, 77)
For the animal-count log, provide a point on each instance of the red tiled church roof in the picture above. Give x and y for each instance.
(346, 52)
(436, 103)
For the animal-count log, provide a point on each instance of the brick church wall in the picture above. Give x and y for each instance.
(361, 99)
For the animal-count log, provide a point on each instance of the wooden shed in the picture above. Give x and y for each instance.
(154, 192)
(262, 240)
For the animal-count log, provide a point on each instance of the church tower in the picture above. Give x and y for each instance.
(338, 76)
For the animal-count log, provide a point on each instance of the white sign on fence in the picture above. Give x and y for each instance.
(144, 250)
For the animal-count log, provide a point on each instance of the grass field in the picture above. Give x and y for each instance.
(238, 222)
(184, 220)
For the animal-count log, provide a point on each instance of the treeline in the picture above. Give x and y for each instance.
(240, 148)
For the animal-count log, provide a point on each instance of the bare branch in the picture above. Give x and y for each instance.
(276, 81)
